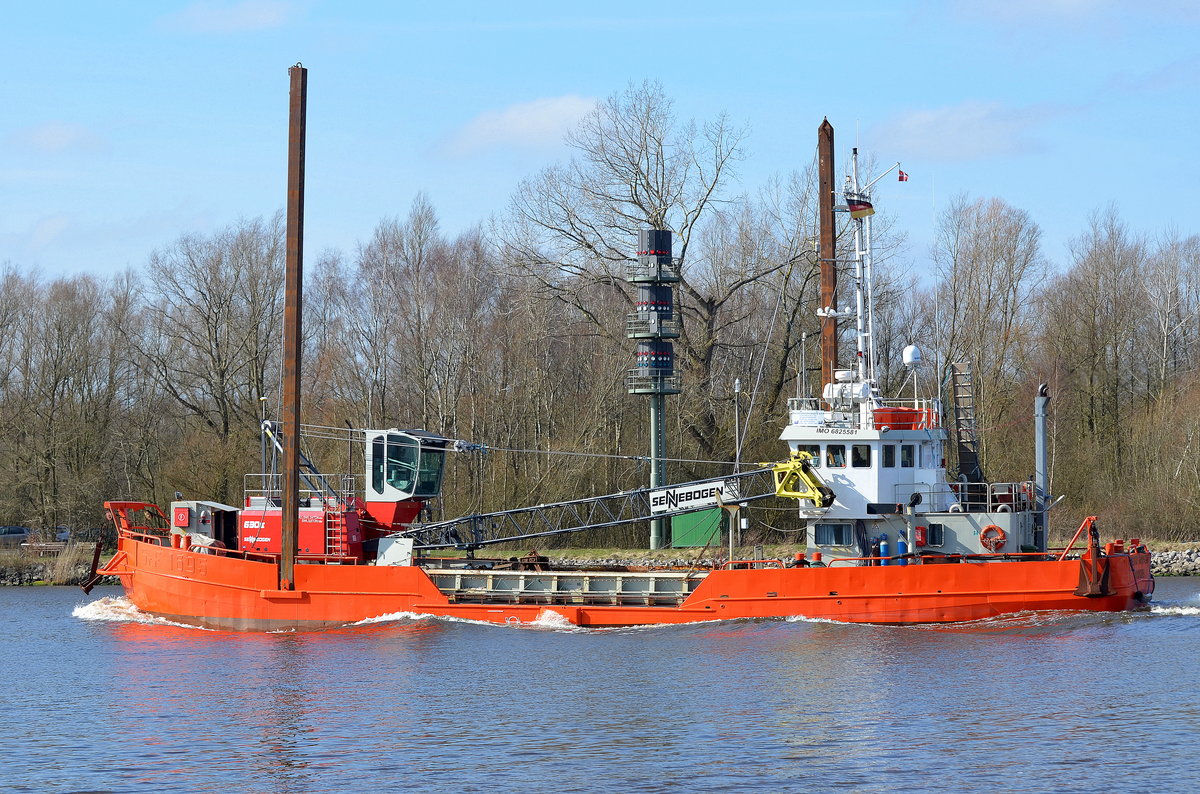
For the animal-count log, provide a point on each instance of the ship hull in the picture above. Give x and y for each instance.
(240, 594)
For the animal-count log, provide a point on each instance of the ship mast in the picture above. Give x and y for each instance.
(860, 330)
(864, 274)
(293, 285)
(827, 252)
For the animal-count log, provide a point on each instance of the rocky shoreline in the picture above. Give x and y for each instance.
(1175, 563)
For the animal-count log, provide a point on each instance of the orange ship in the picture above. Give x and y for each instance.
(890, 538)
(240, 590)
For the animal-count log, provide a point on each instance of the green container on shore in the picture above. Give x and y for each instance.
(702, 528)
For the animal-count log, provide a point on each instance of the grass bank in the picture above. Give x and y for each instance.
(71, 565)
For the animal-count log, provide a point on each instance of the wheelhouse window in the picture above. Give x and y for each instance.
(402, 454)
(833, 534)
(907, 456)
(429, 473)
(377, 464)
(889, 456)
(835, 456)
(811, 449)
(860, 456)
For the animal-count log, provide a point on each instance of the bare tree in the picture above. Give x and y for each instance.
(987, 255)
(214, 314)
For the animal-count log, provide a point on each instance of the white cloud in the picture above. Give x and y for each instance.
(56, 136)
(968, 131)
(212, 16)
(540, 122)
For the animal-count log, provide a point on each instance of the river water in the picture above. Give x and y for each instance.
(98, 697)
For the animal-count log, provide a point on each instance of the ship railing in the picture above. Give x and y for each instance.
(811, 412)
(176, 542)
(141, 520)
(907, 414)
(266, 491)
(897, 414)
(938, 558)
(751, 564)
(972, 497)
(995, 497)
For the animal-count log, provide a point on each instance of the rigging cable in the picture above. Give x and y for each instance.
(321, 432)
(766, 348)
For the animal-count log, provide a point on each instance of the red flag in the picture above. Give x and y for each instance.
(903, 177)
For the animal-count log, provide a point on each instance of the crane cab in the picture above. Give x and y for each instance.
(403, 469)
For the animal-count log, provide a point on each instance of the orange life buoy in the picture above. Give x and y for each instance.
(993, 538)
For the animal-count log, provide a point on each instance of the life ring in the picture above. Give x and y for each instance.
(992, 538)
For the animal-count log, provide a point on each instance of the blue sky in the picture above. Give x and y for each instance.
(127, 124)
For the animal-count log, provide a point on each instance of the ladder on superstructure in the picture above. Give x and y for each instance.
(335, 534)
(962, 392)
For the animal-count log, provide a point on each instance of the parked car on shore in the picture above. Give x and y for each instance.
(12, 537)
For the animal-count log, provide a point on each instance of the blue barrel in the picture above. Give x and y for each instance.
(883, 549)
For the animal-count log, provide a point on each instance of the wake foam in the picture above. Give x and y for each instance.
(1174, 609)
(119, 609)
(550, 620)
(547, 619)
(803, 619)
(414, 617)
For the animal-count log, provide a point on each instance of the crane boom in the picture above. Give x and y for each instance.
(790, 479)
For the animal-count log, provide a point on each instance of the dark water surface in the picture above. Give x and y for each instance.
(97, 697)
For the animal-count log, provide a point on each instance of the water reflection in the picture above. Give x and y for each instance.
(749, 705)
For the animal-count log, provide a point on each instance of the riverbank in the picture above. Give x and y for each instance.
(72, 566)
(1185, 562)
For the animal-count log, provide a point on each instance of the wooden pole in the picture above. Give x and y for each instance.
(827, 252)
(293, 298)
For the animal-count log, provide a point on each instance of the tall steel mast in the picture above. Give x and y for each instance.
(827, 254)
(293, 298)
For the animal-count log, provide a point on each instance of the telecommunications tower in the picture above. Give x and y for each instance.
(653, 325)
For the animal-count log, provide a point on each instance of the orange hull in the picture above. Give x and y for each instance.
(235, 593)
